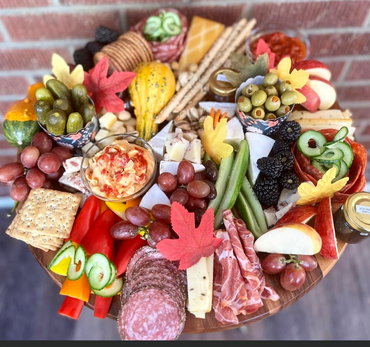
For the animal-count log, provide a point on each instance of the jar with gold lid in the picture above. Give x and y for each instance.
(352, 220)
(220, 89)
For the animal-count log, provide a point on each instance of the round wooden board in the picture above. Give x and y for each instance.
(210, 324)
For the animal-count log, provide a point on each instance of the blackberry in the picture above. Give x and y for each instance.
(94, 47)
(105, 35)
(267, 190)
(286, 159)
(290, 131)
(84, 57)
(280, 145)
(289, 180)
(270, 166)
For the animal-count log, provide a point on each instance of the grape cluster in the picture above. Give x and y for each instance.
(190, 189)
(139, 221)
(39, 165)
(292, 271)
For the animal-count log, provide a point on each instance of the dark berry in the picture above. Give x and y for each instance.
(290, 131)
(267, 190)
(84, 57)
(94, 47)
(270, 166)
(279, 145)
(286, 158)
(289, 180)
(105, 35)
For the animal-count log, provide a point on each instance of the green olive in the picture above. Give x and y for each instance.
(244, 104)
(270, 79)
(259, 98)
(282, 110)
(284, 86)
(261, 86)
(271, 90)
(289, 97)
(272, 103)
(270, 116)
(250, 89)
(258, 113)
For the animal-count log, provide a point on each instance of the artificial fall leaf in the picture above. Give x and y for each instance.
(213, 139)
(103, 89)
(193, 243)
(310, 194)
(245, 69)
(262, 47)
(61, 71)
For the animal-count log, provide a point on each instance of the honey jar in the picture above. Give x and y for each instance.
(352, 220)
(220, 89)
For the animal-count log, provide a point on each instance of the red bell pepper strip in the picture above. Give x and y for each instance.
(71, 307)
(125, 252)
(85, 219)
(102, 306)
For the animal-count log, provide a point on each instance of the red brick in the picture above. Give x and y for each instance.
(4, 106)
(30, 59)
(360, 114)
(5, 145)
(328, 45)
(23, 3)
(59, 25)
(360, 93)
(323, 14)
(99, 2)
(336, 68)
(228, 14)
(359, 70)
(13, 85)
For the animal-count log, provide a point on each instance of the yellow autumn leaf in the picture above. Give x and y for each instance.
(310, 194)
(61, 71)
(213, 139)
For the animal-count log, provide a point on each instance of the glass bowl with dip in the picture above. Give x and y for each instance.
(123, 168)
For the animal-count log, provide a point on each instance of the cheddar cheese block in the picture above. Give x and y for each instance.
(201, 36)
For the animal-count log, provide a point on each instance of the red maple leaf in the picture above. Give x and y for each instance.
(103, 89)
(262, 48)
(193, 243)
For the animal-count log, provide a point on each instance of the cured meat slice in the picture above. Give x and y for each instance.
(137, 255)
(149, 314)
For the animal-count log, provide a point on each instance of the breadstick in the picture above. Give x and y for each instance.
(206, 61)
(197, 98)
(220, 59)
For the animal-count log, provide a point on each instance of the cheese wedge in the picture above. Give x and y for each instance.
(201, 36)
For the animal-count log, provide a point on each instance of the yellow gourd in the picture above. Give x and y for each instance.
(151, 89)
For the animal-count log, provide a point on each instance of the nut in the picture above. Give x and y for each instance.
(194, 113)
(184, 77)
(184, 125)
(192, 67)
(201, 111)
(200, 132)
(130, 128)
(188, 135)
(178, 86)
(131, 121)
(123, 115)
(180, 116)
(175, 65)
(120, 130)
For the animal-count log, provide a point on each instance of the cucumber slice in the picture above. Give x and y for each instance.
(111, 290)
(67, 250)
(304, 140)
(338, 138)
(347, 151)
(113, 275)
(342, 171)
(319, 166)
(330, 155)
(176, 19)
(77, 266)
(170, 27)
(98, 271)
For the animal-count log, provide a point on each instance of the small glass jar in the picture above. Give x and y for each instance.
(220, 89)
(352, 220)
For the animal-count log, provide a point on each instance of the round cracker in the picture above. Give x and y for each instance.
(141, 42)
(116, 55)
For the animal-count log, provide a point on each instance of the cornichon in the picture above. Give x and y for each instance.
(74, 122)
(56, 122)
(87, 111)
(64, 105)
(234, 182)
(44, 94)
(42, 108)
(59, 90)
(79, 96)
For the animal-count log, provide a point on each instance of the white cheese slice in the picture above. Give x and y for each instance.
(154, 195)
(259, 146)
(321, 114)
(171, 167)
(72, 164)
(176, 148)
(107, 120)
(235, 133)
(286, 197)
(193, 152)
(158, 141)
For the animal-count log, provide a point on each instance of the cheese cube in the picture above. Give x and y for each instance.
(193, 151)
(158, 141)
(101, 134)
(176, 148)
(94, 149)
(118, 124)
(107, 120)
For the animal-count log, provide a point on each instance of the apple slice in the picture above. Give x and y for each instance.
(325, 91)
(297, 214)
(313, 100)
(291, 238)
(313, 67)
(324, 225)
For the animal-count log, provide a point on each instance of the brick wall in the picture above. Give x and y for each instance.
(31, 30)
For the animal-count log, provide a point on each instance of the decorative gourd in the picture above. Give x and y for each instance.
(20, 122)
(151, 89)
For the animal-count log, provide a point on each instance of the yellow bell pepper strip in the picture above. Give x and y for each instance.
(71, 307)
(79, 289)
(103, 206)
(62, 267)
(118, 208)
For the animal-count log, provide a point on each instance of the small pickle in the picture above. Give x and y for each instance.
(271, 90)
(59, 90)
(56, 122)
(282, 110)
(258, 113)
(259, 98)
(250, 89)
(270, 79)
(272, 103)
(44, 94)
(270, 116)
(87, 111)
(244, 104)
(284, 87)
(42, 108)
(79, 96)
(64, 105)
(289, 97)
(74, 122)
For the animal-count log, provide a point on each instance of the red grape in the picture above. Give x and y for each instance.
(62, 152)
(162, 212)
(159, 230)
(43, 142)
(49, 163)
(292, 277)
(198, 189)
(47, 184)
(185, 172)
(35, 178)
(273, 263)
(9, 172)
(123, 230)
(308, 262)
(180, 195)
(29, 156)
(20, 189)
(56, 175)
(211, 170)
(137, 215)
(198, 214)
(167, 182)
(200, 176)
(195, 203)
(213, 191)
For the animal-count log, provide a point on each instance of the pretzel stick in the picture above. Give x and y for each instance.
(206, 61)
(197, 98)
(220, 59)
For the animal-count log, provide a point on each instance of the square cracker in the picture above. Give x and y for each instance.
(48, 212)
